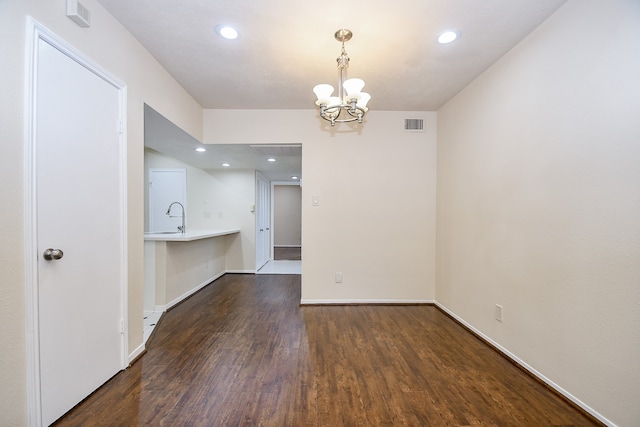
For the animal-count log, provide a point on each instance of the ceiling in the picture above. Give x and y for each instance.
(163, 136)
(285, 47)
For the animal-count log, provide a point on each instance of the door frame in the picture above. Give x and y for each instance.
(262, 208)
(35, 33)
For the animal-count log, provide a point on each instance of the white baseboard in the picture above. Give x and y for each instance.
(528, 367)
(363, 301)
(189, 293)
(241, 271)
(136, 353)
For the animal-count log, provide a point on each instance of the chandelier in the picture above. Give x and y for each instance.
(350, 104)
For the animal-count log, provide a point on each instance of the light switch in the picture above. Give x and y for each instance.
(315, 201)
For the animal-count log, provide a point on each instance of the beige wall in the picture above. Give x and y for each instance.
(287, 215)
(539, 206)
(375, 221)
(235, 193)
(115, 50)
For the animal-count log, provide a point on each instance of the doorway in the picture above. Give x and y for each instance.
(286, 226)
(287, 221)
(222, 203)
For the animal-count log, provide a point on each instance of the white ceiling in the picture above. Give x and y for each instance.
(163, 136)
(286, 47)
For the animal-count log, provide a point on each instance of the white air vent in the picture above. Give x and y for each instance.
(414, 125)
(78, 13)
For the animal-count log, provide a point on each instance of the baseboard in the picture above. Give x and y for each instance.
(191, 292)
(526, 367)
(241, 271)
(365, 302)
(136, 353)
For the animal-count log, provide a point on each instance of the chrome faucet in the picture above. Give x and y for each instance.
(182, 228)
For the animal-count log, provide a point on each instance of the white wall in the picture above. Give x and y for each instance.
(108, 44)
(539, 206)
(287, 215)
(375, 222)
(217, 200)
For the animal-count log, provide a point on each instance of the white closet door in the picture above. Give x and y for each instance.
(80, 212)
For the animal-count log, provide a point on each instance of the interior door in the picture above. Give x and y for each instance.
(263, 221)
(79, 229)
(166, 186)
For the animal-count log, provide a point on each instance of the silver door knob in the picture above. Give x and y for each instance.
(52, 254)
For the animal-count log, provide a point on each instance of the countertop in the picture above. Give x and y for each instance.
(190, 235)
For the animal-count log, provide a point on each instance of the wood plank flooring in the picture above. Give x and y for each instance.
(242, 352)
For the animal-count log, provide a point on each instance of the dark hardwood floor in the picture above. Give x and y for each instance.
(242, 352)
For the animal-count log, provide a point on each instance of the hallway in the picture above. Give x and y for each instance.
(243, 352)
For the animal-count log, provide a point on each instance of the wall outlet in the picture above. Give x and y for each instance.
(338, 276)
(498, 312)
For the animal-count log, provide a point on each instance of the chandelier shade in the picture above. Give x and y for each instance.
(350, 104)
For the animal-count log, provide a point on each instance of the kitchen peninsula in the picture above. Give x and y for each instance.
(179, 264)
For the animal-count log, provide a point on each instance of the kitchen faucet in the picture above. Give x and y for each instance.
(182, 228)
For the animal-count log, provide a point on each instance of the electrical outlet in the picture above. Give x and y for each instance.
(498, 312)
(338, 276)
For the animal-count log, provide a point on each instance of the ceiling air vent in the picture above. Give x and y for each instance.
(414, 125)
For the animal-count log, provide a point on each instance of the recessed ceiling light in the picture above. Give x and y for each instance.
(226, 165)
(271, 159)
(448, 36)
(201, 150)
(294, 177)
(227, 32)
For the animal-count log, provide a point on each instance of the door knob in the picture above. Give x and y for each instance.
(52, 254)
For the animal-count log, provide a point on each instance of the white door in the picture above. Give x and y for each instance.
(79, 210)
(263, 221)
(166, 186)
